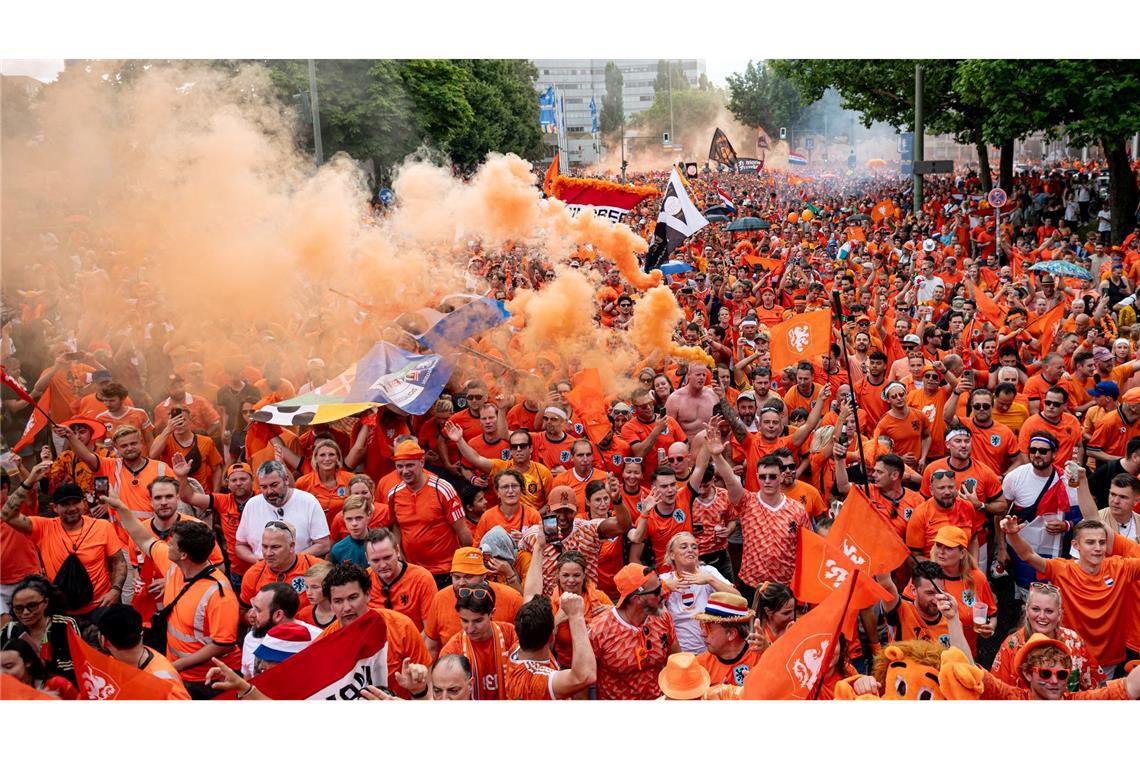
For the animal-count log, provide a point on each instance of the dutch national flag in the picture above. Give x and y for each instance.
(797, 159)
(725, 200)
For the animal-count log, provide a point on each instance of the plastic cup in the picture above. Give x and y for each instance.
(981, 611)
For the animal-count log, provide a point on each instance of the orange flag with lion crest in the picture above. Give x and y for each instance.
(803, 337)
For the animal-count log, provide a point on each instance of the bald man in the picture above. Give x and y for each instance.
(692, 404)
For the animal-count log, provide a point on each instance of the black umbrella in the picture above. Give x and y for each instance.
(748, 224)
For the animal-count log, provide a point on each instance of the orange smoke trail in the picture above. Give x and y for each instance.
(651, 330)
(616, 242)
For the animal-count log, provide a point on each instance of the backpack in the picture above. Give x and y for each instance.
(74, 583)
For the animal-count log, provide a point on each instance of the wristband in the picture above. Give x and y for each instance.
(419, 694)
(247, 692)
(25, 486)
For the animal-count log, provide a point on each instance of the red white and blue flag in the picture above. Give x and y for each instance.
(797, 159)
(725, 200)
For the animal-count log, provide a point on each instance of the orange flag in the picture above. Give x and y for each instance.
(865, 537)
(856, 233)
(804, 336)
(822, 568)
(765, 263)
(589, 403)
(551, 173)
(883, 210)
(988, 308)
(794, 666)
(36, 422)
(102, 677)
(12, 688)
(1044, 327)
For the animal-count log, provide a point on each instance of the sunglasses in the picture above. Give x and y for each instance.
(787, 467)
(677, 459)
(1053, 404)
(280, 526)
(931, 376)
(520, 446)
(30, 607)
(981, 407)
(895, 396)
(1040, 451)
(1049, 674)
(1042, 586)
(768, 476)
(939, 474)
(650, 592)
(472, 593)
(631, 460)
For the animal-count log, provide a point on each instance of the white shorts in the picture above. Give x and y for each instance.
(6, 591)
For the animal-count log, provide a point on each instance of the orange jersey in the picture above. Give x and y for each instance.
(756, 447)
(410, 593)
(260, 574)
(1067, 433)
(488, 659)
(529, 679)
(793, 399)
(729, 672)
(807, 495)
(995, 446)
(129, 416)
(906, 624)
(975, 476)
(906, 434)
(211, 460)
(929, 516)
(1096, 605)
(442, 620)
(872, 405)
(930, 406)
(537, 482)
(630, 657)
(468, 422)
(578, 485)
(229, 513)
(493, 517)
(898, 513)
(636, 431)
(661, 528)
(425, 518)
(521, 418)
(553, 454)
(1112, 432)
(332, 498)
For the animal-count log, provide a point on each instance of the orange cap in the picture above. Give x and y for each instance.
(1035, 641)
(952, 535)
(406, 451)
(629, 579)
(468, 560)
(562, 497)
(1131, 396)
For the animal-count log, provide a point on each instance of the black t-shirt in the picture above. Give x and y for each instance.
(1101, 479)
(231, 401)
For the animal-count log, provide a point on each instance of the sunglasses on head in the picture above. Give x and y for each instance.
(940, 474)
(1042, 586)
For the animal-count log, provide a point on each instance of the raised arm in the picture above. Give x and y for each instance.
(454, 434)
(532, 586)
(813, 419)
(81, 451)
(716, 448)
(583, 664)
(1011, 526)
(138, 532)
(11, 510)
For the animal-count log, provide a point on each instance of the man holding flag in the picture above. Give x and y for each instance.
(678, 220)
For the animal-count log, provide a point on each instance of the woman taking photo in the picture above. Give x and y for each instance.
(1043, 615)
(690, 585)
(35, 603)
(328, 481)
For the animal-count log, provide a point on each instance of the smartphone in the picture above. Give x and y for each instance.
(73, 356)
(550, 528)
(698, 529)
(102, 485)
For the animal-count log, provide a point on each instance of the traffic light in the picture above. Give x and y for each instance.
(665, 138)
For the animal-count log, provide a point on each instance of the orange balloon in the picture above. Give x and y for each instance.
(793, 217)
(807, 215)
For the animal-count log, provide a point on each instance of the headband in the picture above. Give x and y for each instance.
(556, 412)
(891, 385)
(956, 432)
(1046, 441)
(748, 322)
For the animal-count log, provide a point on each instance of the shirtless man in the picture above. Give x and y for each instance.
(692, 404)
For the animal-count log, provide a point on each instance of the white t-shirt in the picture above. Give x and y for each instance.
(302, 511)
(926, 289)
(684, 603)
(1022, 487)
(1104, 220)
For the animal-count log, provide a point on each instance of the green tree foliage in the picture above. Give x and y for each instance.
(761, 97)
(613, 109)
(662, 82)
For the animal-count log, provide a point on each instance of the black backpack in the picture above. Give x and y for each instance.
(74, 582)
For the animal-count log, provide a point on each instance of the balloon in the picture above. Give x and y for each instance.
(807, 215)
(793, 217)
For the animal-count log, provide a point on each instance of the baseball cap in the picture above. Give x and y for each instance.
(1105, 388)
(67, 492)
(629, 579)
(912, 338)
(952, 535)
(468, 560)
(751, 396)
(1101, 353)
(407, 450)
(1131, 396)
(562, 497)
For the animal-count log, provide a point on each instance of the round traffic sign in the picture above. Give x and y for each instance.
(997, 197)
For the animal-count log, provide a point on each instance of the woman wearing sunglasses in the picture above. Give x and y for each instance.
(35, 603)
(1042, 615)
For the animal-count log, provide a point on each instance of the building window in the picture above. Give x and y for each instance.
(647, 98)
(575, 129)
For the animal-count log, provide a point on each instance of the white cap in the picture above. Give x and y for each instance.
(928, 245)
(912, 338)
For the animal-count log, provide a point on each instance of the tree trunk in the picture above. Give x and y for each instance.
(1122, 193)
(1005, 167)
(984, 165)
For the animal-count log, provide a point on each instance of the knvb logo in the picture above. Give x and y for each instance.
(799, 338)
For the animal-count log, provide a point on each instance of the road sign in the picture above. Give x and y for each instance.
(387, 196)
(906, 142)
(906, 168)
(997, 197)
(809, 143)
(783, 133)
(933, 167)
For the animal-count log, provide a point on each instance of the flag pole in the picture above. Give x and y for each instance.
(842, 623)
(23, 394)
(838, 312)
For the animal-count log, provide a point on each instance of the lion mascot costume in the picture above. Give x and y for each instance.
(916, 670)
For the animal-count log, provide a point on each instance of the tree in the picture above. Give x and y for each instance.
(759, 97)
(662, 82)
(501, 94)
(613, 110)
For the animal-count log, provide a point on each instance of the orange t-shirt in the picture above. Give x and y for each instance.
(17, 549)
(425, 518)
(488, 659)
(132, 486)
(442, 620)
(905, 624)
(636, 431)
(906, 433)
(378, 519)
(468, 422)
(570, 478)
(994, 446)
(793, 399)
(410, 593)
(807, 495)
(1112, 432)
(930, 406)
(1067, 432)
(928, 517)
(1036, 386)
(404, 640)
(160, 667)
(229, 513)
(260, 574)
(211, 459)
(330, 499)
(519, 418)
(529, 679)
(95, 542)
(524, 517)
(552, 453)
(661, 528)
(756, 446)
(730, 672)
(1095, 606)
(628, 657)
(131, 416)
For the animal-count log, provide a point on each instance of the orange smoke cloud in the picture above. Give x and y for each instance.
(651, 331)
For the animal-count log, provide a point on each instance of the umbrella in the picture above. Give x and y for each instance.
(1062, 269)
(876, 163)
(675, 267)
(722, 210)
(859, 218)
(716, 217)
(748, 224)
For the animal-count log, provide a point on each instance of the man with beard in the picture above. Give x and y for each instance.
(648, 435)
(1112, 432)
(274, 604)
(228, 506)
(281, 563)
(921, 617)
(888, 496)
(803, 394)
(279, 501)
(692, 404)
(994, 444)
(129, 473)
(977, 483)
(746, 410)
(633, 640)
(944, 507)
(869, 392)
(537, 479)
(771, 436)
(582, 473)
(1054, 420)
